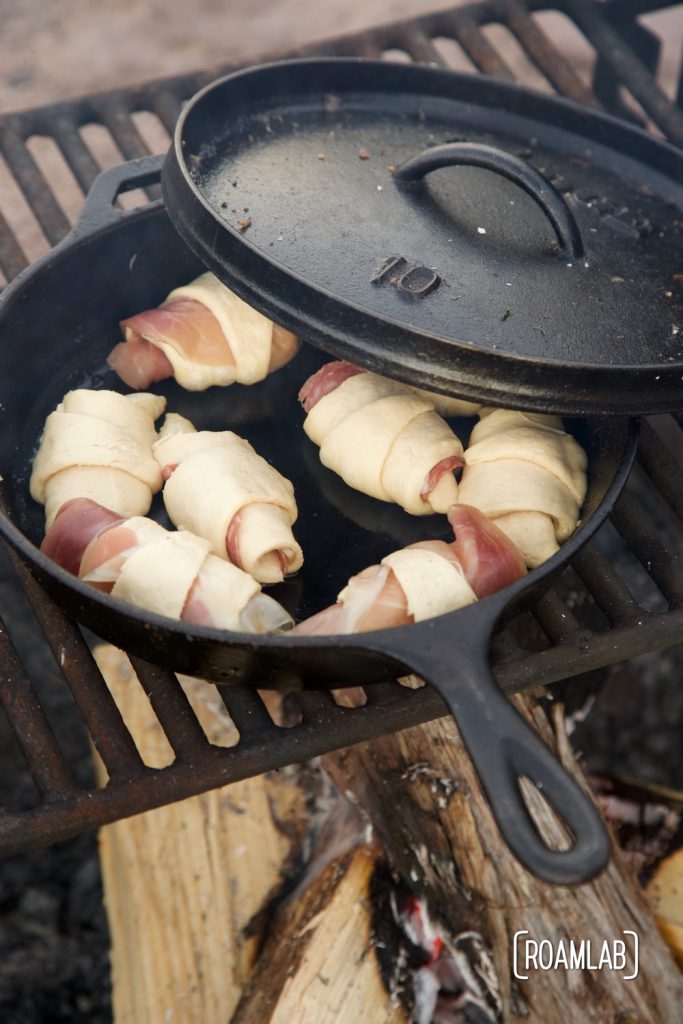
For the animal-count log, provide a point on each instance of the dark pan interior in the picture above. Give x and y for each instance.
(56, 329)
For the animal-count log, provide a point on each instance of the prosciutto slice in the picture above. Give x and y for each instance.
(382, 438)
(488, 558)
(423, 580)
(528, 475)
(203, 335)
(169, 573)
(78, 522)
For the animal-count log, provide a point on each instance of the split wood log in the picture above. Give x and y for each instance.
(319, 964)
(183, 883)
(188, 890)
(419, 791)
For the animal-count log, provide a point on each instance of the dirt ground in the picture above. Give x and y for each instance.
(60, 49)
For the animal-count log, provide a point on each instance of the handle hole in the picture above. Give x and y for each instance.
(555, 833)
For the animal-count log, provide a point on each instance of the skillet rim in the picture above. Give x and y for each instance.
(377, 640)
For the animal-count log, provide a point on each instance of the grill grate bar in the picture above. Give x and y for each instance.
(126, 136)
(314, 703)
(544, 54)
(166, 105)
(554, 617)
(30, 178)
(421, 48)
(246, 709)
(661, 466)
(480, 51)
(33, 732)
(609, 592)
(587, 651)
(630, 72)
(76, 153)
(173, 710)
(102, 717)
(12, 259)
(660, 562)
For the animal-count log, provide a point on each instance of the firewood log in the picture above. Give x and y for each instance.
(420, 793)
(183, 883)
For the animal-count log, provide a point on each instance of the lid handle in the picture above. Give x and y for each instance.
(474, 154)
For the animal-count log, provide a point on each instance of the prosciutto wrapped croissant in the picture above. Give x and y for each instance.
(202, 334)
(218, 487)
(529, 476)
(98, 445)
(424, 579)
(382, 438)
(170, 573)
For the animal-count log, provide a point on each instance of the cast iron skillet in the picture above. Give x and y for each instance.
(59, 320)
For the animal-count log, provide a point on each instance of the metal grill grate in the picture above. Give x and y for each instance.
(592, 618)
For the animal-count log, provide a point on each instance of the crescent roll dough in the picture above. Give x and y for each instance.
(387, 441)
(175, 574)
(98, 445)
(221, 489)
(524, 472)
(433, 585)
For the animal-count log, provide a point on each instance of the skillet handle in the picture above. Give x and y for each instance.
(474, 154)
(504, 748)
(99, 210)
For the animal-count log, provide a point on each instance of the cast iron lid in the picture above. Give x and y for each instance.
(451, 231)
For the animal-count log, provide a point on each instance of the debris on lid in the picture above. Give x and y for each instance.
(363, 154)
(243, 223)
(321, 156)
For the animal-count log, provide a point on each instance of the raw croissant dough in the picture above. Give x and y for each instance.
(219, 476)
(384, 440)
(529, 476)
(98, 445)
(174, 574)
(433, 585)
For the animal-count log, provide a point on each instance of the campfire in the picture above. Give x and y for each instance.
(326, 856)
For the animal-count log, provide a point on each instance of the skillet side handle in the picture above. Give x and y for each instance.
(99, 210)
(504, 748)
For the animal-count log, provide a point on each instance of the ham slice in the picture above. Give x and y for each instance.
(77, 523)
(203, 335)
(326, 379)
(171, 574)
(488, 558)
(526, 473)
(139, 363)
(423, 580)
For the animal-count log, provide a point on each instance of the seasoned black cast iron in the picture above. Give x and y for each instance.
(59, 320)
(524, 250)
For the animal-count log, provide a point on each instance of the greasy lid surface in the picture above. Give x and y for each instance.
(449, 230)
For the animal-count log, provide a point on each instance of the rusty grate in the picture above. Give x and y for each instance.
(591, 619)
